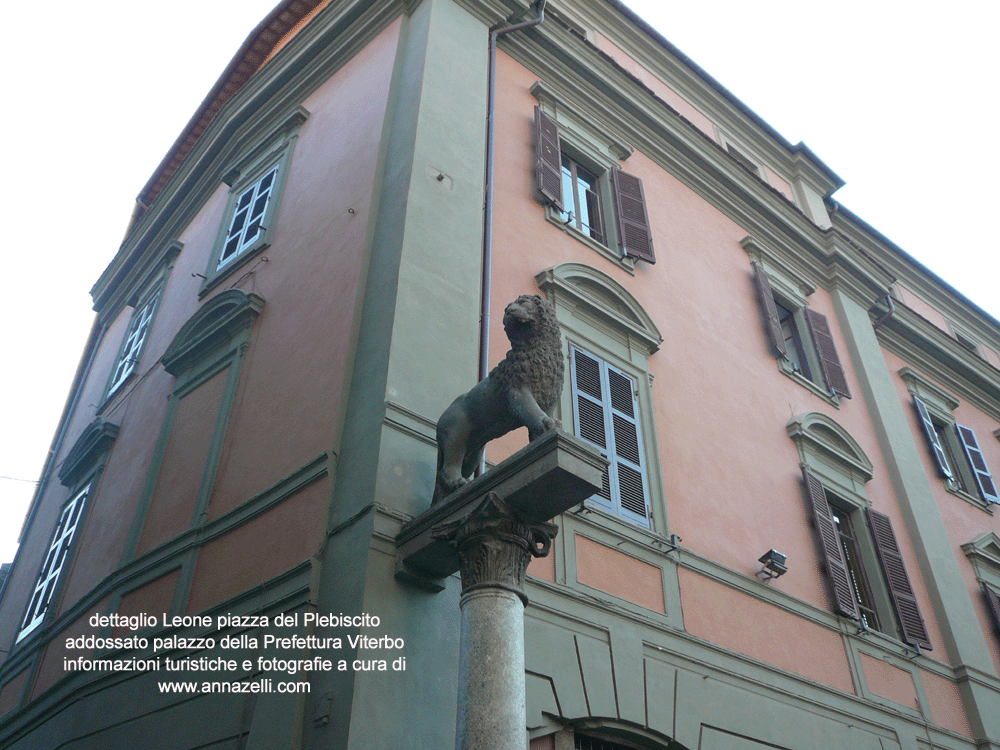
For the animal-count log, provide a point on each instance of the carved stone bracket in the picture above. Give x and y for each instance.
(495, 543)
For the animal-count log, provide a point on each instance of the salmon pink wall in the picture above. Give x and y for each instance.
(890, 682)
(619, 574)
(289, 391)
(731, 473)
(663, 91)
(922, 309)
(270, 544)
(182, 471)
(802, 647)
(946, 703)
(544, 567)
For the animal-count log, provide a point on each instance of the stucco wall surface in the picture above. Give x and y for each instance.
(731, 474)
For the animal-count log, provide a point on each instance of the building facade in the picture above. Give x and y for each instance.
(797, 543)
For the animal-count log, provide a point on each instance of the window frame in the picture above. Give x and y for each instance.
(273, 151)
(130, 355)
(950, 452)
(983, 553)
(835, 470)
(599, 317)
(624, 211)
(614, 502)
(823, 373)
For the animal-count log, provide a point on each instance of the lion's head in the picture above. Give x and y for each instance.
(530, 319)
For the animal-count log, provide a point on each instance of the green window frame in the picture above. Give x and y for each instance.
(256, 183)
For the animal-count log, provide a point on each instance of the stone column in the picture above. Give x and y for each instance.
(488, 531)
(495, 544)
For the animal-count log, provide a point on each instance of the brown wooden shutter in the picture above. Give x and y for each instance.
(548, 159)
(993, 605)
(771, 319)
(829, 542)
(910, 621)
(984, 480)
(932, 438)
(828, 359)
(633, 222)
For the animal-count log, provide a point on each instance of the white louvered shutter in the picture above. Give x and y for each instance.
(605, 414)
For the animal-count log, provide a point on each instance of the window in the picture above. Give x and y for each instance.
(605, 414)
(128, 359)
(205, 357)
(858, 578)
(801, 339)
(256, 183)
(955, 449)
(55, 560)
(851, 569)
(593, 200)
(582, 199)
(857, 544)
(247, 225)
(744, 161)
(992, 596)
(609, 340)
(984, 555)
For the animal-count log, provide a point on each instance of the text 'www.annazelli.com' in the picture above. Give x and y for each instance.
(257, 686)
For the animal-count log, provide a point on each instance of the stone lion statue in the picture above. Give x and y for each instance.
(521, 391)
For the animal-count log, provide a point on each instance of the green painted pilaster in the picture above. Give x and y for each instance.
(417, 347)
(953, 609)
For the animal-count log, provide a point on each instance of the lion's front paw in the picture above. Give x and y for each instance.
(549, 424)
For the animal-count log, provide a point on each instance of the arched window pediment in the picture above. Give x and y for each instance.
(818, 433)
(601, 295)
(93, 442)
(218, 321)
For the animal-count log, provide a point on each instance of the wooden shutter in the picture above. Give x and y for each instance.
(588, 417)
(548, 159)
(606, 416)
(932, 438)
(993, 605)
(633, 222)
(771, 319)
(910, 622)
(984, 480)
(828, 359)
(829, 542)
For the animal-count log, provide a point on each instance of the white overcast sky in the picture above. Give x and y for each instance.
(898, 98)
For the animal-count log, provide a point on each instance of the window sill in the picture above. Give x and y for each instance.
(970, 499)
(624, 262)
(786, 368)
(227, 270)
(111, 396)
(620, 527)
